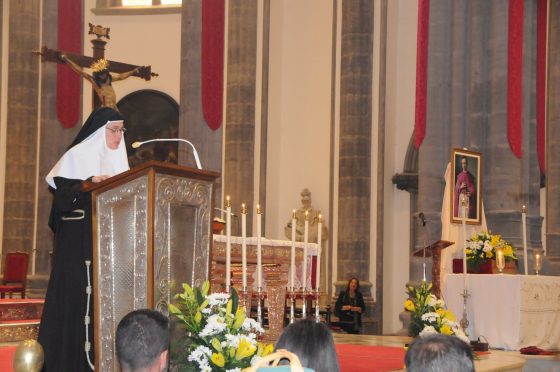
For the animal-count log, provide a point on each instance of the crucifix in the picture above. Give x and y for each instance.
(103, 71)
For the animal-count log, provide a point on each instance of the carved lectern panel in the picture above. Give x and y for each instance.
(122, 214)
(181, 236)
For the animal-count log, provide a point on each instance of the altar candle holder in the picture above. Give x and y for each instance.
(292, 295)
(537, 265)
(500, 260)
(246, 297)
(259, 306)
(304, 306)
(464, 320)
(317, 307)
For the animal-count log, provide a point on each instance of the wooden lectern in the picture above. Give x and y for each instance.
(434, 251)
(151, 233)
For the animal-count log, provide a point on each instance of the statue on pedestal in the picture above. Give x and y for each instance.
(313, 219)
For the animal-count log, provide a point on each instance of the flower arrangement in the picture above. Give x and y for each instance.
(220, 337)
(483, 246)
(429, 315)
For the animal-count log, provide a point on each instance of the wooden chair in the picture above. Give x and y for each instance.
(15, 274)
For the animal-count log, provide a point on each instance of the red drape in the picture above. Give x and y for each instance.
(515, 76)
(421, 72)
(68, 93)
(542, 17)
(212, 61)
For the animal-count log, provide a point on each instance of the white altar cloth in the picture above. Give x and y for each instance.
(510, 311)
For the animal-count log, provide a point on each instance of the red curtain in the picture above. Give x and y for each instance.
(421, 72)
(542, 16)
(68, 84)
(515, 76)
(212, 61)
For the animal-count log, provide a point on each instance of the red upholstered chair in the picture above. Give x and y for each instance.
(15, 274)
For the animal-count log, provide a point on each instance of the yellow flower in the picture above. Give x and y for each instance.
(245, 349)
(239, 318)
(409, 305)
(217, 345)
(198, 317)
(489, 254)
(495, 240)
(264, 350)
(508, 251)
(218, 359)
(446, 330)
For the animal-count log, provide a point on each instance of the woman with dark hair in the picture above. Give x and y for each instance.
(97, 153)
(312, 342)
(350, 306)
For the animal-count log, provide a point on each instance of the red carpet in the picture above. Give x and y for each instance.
(6, 358)
(356, 358)
(352, 358)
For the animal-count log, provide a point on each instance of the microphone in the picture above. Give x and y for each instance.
(135, 145)
(422, 218)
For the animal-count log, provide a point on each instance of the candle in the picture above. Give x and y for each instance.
(305, 240)
(500, 260)
(228, 242)
(524, 221)
(259, 252)
(293, 254)
(464, 215)
(244, 245)
(318, 276)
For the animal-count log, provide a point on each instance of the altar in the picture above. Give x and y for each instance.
(509, 311)
(277, 252)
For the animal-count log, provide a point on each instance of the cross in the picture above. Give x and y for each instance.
(53, 55)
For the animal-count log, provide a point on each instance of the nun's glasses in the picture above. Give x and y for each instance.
(115, 130)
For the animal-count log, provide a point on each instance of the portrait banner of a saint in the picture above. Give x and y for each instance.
(467, 186)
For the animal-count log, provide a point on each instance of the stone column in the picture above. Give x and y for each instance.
(238, 172)
(553, 141)
(192, 125)
(355, 146)
(21, 148)
(434, 151)
(510, 182)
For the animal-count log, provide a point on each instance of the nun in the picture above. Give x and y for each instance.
(97, 153)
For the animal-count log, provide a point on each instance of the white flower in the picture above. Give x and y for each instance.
(428, 330)
(473, 245)
(432, 300)
(234, 370)
(233, 340)
(430, 317)
(200, 356)
(217, 299)
(216, 324)
(250, 324)
(440, 304)
(487, 246)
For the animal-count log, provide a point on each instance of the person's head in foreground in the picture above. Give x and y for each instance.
(439, 353)
(312, 342)
(142, 341)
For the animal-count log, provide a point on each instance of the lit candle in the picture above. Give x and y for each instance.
(305, 240)
(244, 244)
(464, 209)
(500, 260)
(318, 276)
(293, 254)
(524, 221)
(228, 242)
(259, 252)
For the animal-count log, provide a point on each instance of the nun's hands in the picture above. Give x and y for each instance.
(100, 178)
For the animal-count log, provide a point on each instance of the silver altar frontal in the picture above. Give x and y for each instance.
(151, 232)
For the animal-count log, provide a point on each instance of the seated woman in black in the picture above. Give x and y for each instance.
(350, 306)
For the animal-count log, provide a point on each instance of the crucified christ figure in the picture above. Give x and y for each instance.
(101, 79)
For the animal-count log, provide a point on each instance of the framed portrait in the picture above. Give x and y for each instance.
(466, 186)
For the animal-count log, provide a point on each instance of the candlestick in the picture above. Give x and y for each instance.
(244, 244)
(305, 240)
(293, 252)
(538, 263)
(259, 249)
(524, 222)
(500, 260)
(318, 271)
(464, 216)
(228, 243)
